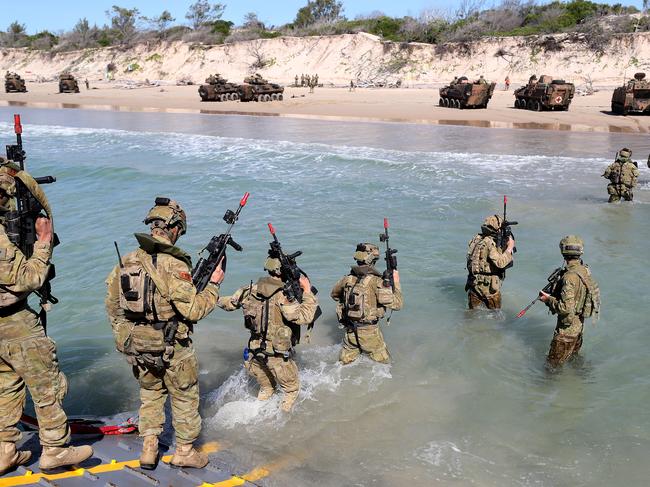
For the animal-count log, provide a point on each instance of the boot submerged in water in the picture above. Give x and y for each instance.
(188, 456)
(149, 455)
(10, 457)
(59, 456)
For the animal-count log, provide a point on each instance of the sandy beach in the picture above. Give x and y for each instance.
(411, 105)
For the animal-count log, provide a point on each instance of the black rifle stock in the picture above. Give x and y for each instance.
(216, 249)
(505, 233)
(21, 222)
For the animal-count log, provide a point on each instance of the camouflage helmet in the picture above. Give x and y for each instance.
(572, 246)
(491, 224)
(272, 263)
(7, 181)
(166, 214)
(625, 153)
(366, 253)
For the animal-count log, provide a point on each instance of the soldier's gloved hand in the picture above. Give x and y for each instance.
(305, 284)
(218, 274)
(511, 244)
(543, 297)
(396, 276)
(43, 229)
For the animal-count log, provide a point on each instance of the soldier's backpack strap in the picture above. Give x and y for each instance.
(591, 308)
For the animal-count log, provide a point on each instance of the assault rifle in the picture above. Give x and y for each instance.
(216, 249)
(505, 232)
(555, 276)
(21, 222)
(390, 258)
(290, 274)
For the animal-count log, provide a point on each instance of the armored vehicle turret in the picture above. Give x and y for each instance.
(256, 88)
(68, 84)
(217, 88)
(462, 93)
(14, 83)
(634, 96)
(545, 94)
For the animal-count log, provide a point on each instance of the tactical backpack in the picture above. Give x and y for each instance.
(360, 301)
(477, 256)
(591, 308)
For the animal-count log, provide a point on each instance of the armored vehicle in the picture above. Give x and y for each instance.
(545, 94)
(68, 84)
(256, 88)
(633, 96)
(462, 93)
(14, 83)
(217, 88)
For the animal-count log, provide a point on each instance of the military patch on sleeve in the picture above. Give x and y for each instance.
(186, 276)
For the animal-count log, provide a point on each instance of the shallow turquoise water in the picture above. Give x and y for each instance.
(467, 400)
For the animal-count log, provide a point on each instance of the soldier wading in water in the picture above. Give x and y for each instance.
(486, 265)
(622, 174)
(153, 305)
(274, 323)
(362, 298)
(574, 297)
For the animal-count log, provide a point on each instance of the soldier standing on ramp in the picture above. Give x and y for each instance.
(152, 304)
(622, 174)
(27, 355)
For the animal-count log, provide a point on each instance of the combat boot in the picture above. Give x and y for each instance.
(187, 456)
(265, 393)
(289, 400)
(10, 457)
(149, 455)
(60, 456)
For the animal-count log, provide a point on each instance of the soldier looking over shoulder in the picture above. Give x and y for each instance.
(486, 265)
(153, 305)
(362, 298)
(28, 358)
(622, 174)
(575, 297)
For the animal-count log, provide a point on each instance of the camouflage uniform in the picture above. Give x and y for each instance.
(274, 324)
(486, 264)
(361, 301)
(574, 296)
(161, 369)
(27, 356)
(623, 175)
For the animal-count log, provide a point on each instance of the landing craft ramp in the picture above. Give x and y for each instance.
(115, 464)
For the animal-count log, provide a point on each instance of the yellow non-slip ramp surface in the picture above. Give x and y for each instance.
(115, 463)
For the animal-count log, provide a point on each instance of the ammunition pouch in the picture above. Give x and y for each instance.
(146, 339)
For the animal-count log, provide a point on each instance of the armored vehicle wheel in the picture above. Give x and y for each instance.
(530, 105)
(235, 96)
(441, 102)
(516, 103)
(267, 97)
(222, 97)
(537, 106)
(274, 97)
(280, 97)
(457, 104)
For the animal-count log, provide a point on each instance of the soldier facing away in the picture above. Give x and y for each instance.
(153, 305)
(575, 297)
(486, 265)
(622, 174)
(27, 355)
(274, 324)
(362, 298)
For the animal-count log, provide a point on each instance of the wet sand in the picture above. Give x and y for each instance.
(587, 113)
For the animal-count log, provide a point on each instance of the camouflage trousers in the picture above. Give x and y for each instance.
(618, 191)
(179, 380)
(475, 300)
(29, 362)
(563, 347)
(371, 342)
(276, 371)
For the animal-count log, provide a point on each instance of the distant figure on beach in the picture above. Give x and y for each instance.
(622, 174)
(87, 84)
(352, 87)
(296, 83)
(482, 80)
(507, 83)
(302, 80)
(316, 80)
(312, 84)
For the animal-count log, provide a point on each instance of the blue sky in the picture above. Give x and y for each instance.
(63, 14)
